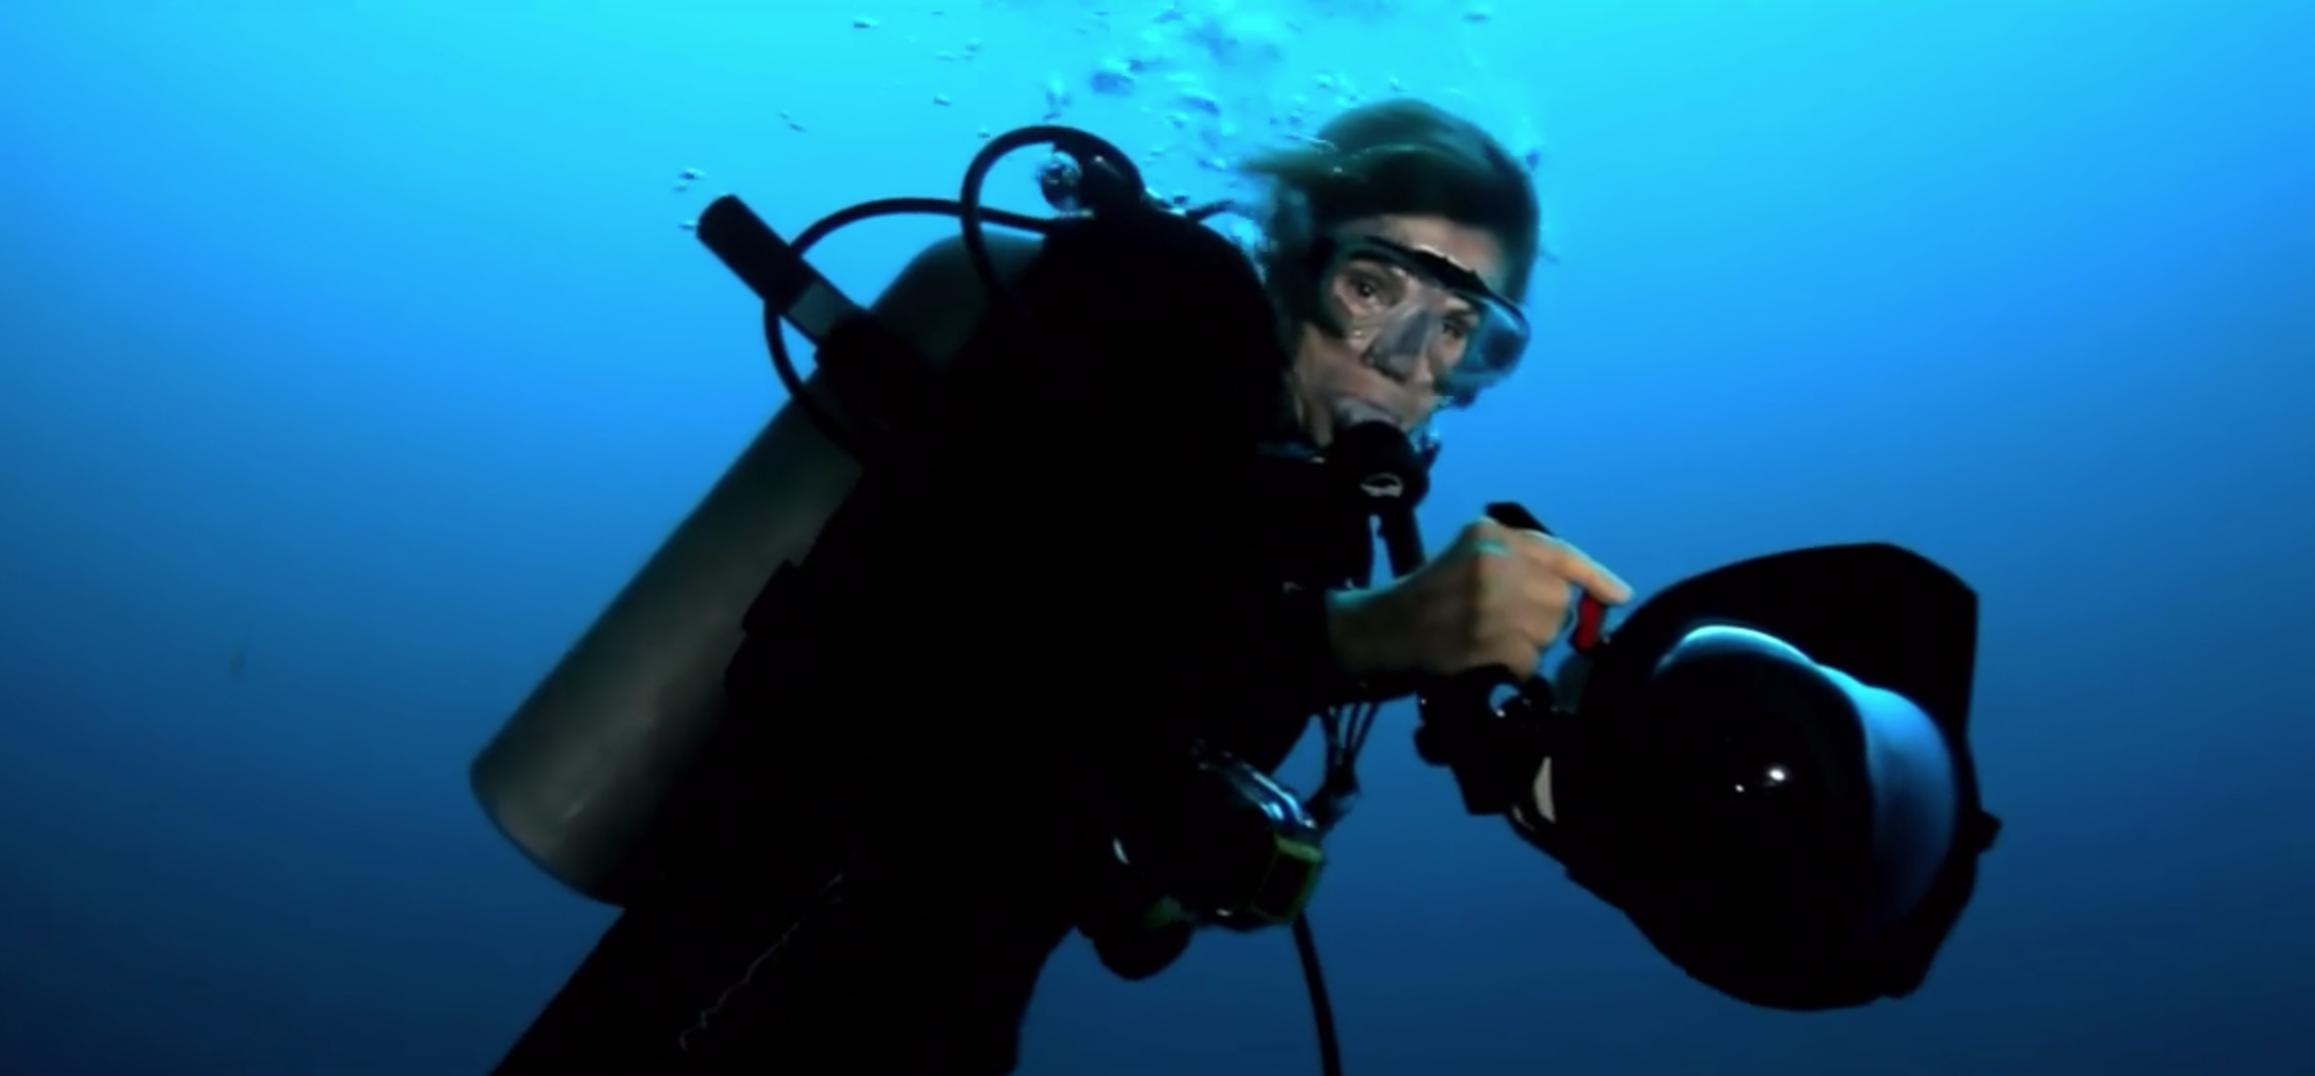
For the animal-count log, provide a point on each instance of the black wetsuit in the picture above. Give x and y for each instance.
(1000, 638)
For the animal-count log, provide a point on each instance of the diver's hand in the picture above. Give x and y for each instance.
(1496, 597)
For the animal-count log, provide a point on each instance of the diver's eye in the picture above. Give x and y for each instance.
(1364, 288)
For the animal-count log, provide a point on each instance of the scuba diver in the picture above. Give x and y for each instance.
(1078, 542)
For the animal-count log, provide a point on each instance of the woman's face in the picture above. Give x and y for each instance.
(1342, 378)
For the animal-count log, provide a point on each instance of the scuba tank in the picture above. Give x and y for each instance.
(578, 773)
(578, 776)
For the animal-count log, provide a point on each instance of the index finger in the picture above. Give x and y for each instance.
(1579, 568)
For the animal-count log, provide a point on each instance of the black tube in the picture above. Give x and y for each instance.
(1321, 1009)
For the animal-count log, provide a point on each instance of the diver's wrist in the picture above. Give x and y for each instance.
(1352, 639)
(1368, 651)
(1342, 647)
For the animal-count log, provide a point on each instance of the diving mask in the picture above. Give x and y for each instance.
(1405, 309)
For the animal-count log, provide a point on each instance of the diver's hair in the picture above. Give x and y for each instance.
(1401, 155)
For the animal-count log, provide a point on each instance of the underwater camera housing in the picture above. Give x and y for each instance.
(1767, 768)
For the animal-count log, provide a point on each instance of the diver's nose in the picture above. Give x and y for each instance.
(1403, 353)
